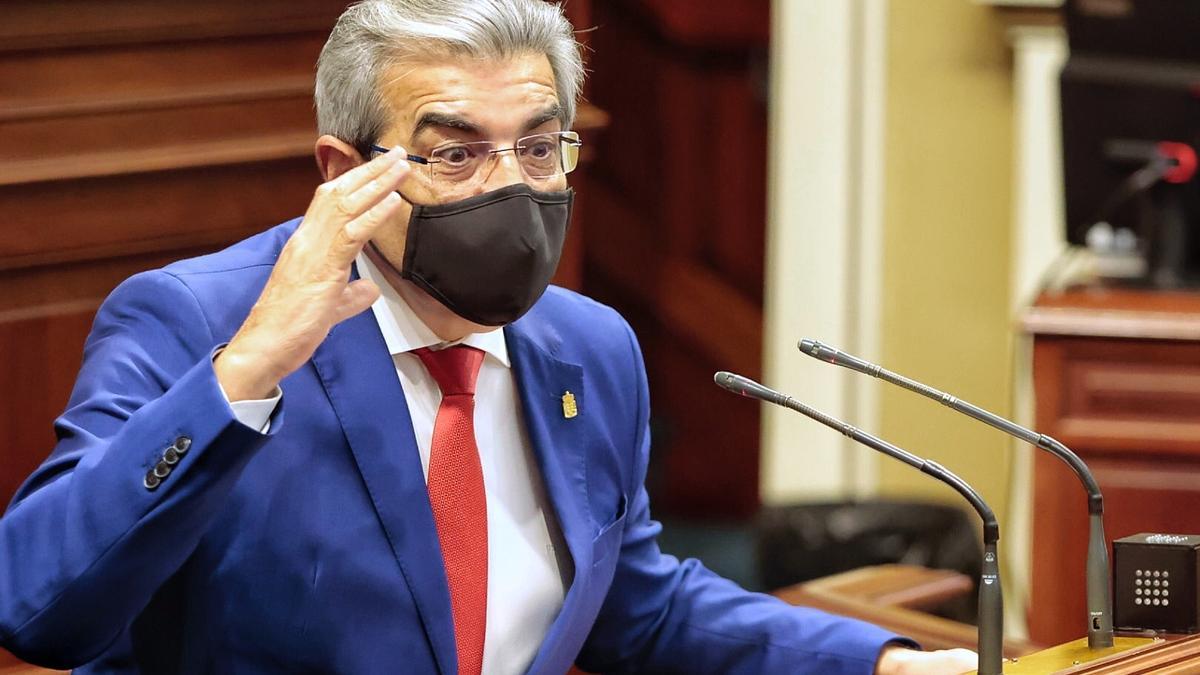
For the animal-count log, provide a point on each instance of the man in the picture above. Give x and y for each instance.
(255, 474)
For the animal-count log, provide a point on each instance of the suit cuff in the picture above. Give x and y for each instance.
(254, 413)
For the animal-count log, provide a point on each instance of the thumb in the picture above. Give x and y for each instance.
(356, 297)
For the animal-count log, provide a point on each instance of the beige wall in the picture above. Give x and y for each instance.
(946, 254)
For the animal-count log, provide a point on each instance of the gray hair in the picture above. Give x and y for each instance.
(373, 35)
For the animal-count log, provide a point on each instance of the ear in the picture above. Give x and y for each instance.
(335, 157)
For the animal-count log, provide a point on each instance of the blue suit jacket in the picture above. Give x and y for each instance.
(312, 549)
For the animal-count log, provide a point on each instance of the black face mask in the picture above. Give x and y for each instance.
(488, 258)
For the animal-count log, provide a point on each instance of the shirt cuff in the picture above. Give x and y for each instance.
(254, 413)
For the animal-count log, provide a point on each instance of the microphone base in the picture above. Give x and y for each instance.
(1071, 654)
(1100, 641)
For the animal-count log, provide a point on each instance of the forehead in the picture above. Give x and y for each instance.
(498, 96)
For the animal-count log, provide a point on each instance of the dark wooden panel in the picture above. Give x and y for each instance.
(1121, 393)
(122, 75)
(1117, 378)
(48, 24)
(56, 222)
(36, 393)
(678, 221)
(54, 286)
(67, 140)
(1141, 495)
(712, 467)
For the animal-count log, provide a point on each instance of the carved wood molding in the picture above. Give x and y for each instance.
(285, 145)
(1113, 323)
(59, 24)
(194, 96)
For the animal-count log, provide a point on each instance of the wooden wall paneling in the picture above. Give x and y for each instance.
(678, 212)
(1140, 393)
(54, 24)
(1059, 550)
(590, 122)
(66, 144)
(712, 468)
(1127, 404)
(30, 341)
(686, 168)
(734, 243)
(55, 222)
(622, 247)
(144, 75)
(51, 287)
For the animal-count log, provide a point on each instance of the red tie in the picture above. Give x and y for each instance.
(457, 497)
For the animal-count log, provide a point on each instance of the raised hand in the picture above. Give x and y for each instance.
(309, 291)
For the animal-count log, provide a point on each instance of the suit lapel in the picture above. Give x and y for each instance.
(542, 380)
(358, 375)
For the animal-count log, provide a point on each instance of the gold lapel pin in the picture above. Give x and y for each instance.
(570, 408)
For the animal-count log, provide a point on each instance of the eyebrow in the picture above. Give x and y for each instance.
(549, 114)
(437, 119)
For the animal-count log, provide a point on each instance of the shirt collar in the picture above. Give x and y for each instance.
(403, 331)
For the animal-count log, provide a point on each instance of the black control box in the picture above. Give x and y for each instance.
(1154, 583)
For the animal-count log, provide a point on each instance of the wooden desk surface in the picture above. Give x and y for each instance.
(889, 596)
(1101, 311)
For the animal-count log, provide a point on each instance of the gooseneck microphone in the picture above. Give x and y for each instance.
(991, 601)
(1099, 595)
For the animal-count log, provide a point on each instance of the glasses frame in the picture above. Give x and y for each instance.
(568, 137)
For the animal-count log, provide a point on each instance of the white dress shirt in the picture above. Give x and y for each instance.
(528, 566)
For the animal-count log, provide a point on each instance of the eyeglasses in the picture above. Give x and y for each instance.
(541, 157)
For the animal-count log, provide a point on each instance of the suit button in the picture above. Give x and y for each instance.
(162, 470)
(182, 444)
(171, 456)
(151, 481)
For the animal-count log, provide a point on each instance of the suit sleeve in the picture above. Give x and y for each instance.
(94, 532)
(666, 616)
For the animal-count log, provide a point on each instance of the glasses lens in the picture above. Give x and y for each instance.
(540, 155)
(549, 155)
(570, 145)
(458, 162)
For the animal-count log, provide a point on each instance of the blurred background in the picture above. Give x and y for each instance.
(886, 176)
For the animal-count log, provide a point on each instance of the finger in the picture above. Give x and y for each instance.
(357, 296)
(356, 177)
(355, 234)
(328, 200)
(372, 192)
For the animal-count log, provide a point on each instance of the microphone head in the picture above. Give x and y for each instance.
(725, 380)
(747, 387)
(817, 350)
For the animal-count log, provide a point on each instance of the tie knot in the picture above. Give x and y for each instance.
(454, 368)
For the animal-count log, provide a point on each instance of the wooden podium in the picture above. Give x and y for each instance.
(893, 595)
(1117, 378)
